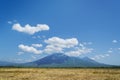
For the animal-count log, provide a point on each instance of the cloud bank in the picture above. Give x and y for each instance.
(70, 47)
(56, 44)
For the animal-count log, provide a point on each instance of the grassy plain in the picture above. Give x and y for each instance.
(58, 74)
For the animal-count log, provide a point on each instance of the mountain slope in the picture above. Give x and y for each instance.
(58, 60)
(4, 63)
(55, 58)
(61, 60)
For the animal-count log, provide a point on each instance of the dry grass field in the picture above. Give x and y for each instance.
(58, 74)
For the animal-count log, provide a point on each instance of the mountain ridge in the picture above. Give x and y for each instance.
(60, 60)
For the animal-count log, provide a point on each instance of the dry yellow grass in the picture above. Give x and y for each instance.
(58, 74)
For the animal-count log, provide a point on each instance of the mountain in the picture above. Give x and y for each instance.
(58, 60)
(52, 59)
(61, 60)
(5, 63)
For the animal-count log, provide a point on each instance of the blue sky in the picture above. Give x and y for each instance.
(83, 27)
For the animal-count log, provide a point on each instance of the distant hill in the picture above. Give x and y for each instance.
(58, 60)
(61, 60)
(5, 63)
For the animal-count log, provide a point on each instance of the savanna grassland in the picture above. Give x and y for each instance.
(58, 74)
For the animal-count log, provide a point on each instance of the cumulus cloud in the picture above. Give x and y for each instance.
(29, 49)
(30, 29)
(70, 47)
(37, 45)
(82, 46)
(79, 51)
(52, 49)
(114, 41)
(64, 43)
(59, 45)
(56, 44)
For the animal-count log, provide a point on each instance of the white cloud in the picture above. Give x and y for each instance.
(70, 47)
(79, 51)
(30, 29)
(82, 46)
(34, 57)
(100, 56)
(110, 51)
(63, 43)
(59, 45)
(114, 41)
(29, 49)
(92, 58)
(9, 22)
(37, 45)
(20, 53)
(56, 44)
(39, 37)
(87, 43)
(52, 49)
